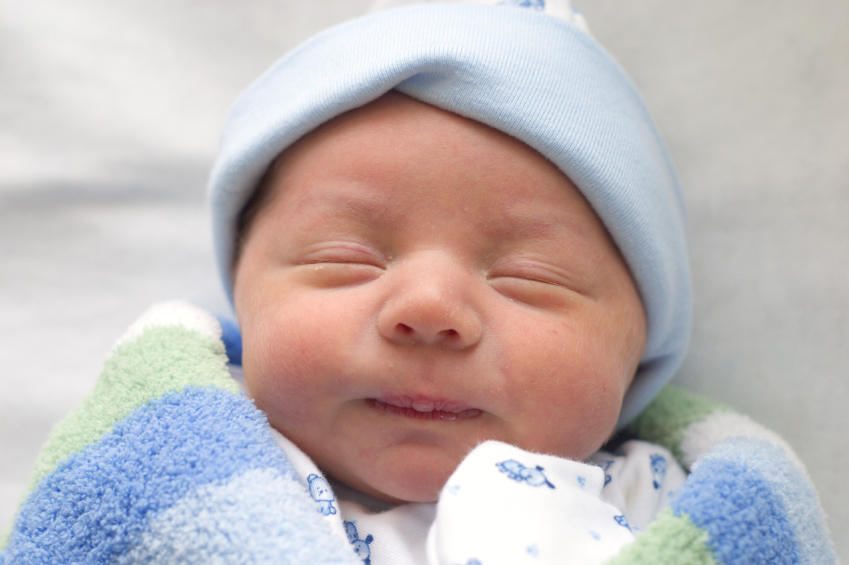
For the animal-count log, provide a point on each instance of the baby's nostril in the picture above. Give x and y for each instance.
(450, 334)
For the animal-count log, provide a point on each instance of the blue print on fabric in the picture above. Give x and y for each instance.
(533, 550)
(519, 472)
(658, 469)
(361, 546)
(582, 481)
(532, 4)
(622, 521)
(321, 493)
(605, 465)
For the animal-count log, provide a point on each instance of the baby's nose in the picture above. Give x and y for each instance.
(432, 304)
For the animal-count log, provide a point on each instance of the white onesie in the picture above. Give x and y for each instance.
(505, 505)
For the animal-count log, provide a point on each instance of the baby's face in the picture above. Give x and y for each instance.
(417, 283)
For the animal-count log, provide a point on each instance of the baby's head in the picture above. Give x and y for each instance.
(410, 282)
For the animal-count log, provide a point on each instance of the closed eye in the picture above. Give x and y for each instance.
(536, 284)
(536, 271)
(339, 265)
(534, 293)
(341, 253)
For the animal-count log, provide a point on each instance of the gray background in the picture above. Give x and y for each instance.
(109, 117)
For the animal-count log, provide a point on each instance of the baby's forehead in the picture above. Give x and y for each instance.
(405, 146)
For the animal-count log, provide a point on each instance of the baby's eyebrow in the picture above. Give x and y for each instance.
(519, 224)
(337, 204)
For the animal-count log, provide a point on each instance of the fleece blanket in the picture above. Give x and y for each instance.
(167, 462)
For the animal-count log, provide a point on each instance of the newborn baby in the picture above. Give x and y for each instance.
(456, 279)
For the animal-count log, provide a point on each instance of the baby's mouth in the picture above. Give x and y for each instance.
(423, 408)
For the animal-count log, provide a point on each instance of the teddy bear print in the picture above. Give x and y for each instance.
(622, 521)
(321, 493)
(361, 546)
(658, 469)
(519, 472)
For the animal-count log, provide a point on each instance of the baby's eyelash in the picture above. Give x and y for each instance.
(341, 253)
(532, 273)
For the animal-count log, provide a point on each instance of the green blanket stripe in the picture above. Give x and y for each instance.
(669, 540)
(669, 414)
(162, 359)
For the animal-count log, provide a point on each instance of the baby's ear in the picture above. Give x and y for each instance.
(232, 338)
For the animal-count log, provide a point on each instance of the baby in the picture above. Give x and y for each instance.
(456, 250)
(444, 225)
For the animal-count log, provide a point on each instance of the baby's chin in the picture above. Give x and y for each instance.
(408, 479)
(419, 487)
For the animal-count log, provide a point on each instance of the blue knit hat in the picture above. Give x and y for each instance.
(536, 77)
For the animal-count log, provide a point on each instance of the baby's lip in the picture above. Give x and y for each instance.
(424, 407)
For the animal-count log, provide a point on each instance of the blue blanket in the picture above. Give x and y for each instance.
(167, 462)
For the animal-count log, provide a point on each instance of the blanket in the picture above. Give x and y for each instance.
(167, 462)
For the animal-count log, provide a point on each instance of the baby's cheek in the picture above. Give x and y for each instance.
(578, 419)
(571, 394)
(282, 365)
